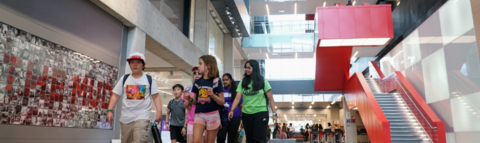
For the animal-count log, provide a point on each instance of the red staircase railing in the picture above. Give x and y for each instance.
(358, 94)
(434, 127)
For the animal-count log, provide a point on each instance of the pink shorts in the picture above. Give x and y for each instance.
(211, 120)
(190, 130)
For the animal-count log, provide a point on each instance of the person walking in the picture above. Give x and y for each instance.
(276, 131)
(191, 107)
(256, 93)
(208, 93)
(292, 130)
(176, 114)
(229, 93)
(137, 90)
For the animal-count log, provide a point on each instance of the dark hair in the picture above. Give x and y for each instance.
(209, 60)
(306, 126)
(290, 123)
(140, 61)
(177, 85)
(320, 126)
(256, 77)
(233, 85)
(329, 124)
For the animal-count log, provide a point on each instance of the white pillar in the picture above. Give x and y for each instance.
(135, 43)
(349, 127)
(202, 14)
(228, 57)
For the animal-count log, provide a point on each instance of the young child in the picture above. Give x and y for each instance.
(191, 107)
(137, 91)
(208, 91)
(176, 107)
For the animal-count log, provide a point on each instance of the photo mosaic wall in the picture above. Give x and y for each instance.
(45, 84)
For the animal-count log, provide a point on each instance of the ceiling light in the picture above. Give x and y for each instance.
(354, 42)
(310, 106)
(293, 107)
(269, 58)
(295, 8)
(342, 95)
(293, 102)
(296, 55)
(275, 107)
(328, 106)
(398, 3)
(268, 11)
(324, 3)
(164, 105)
(354, 2)
(313, 102)
(333, 102)
(355, 108)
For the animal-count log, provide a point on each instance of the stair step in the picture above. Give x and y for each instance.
(398, 114)
(400, 117)
(404, 124)
(405, 110)
(391, 102)
(382, 105)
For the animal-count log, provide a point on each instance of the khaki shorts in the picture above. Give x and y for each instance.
(136, 131)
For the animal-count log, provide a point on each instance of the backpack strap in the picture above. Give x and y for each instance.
(266, 98)
(125, 77)
(149, 78)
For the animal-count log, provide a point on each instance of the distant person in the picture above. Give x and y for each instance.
(292, 130)
(256, 92)
(349, 3)
(269, 132)
(175, 117)
(229, 93)
(191, 107)
(137, 91)
(283, 134)
(315, 131)
(276, 130)
(305, 134)
(329, 134)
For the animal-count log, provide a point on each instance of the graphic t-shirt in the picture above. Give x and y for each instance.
(205, 103)
(177, 117)
(254, 101)
(136, 100)
(190, 110)
(229, 100)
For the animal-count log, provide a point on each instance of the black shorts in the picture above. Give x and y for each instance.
(176, 133)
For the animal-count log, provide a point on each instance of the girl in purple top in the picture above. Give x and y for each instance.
(229, 93)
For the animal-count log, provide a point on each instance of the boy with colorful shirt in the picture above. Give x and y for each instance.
(137, 91)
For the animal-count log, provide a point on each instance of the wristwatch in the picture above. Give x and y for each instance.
(275, 114)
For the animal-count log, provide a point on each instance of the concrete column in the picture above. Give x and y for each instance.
(349, 127)
(228, 59)
(135, 43)
(202, 14)
(133, 40)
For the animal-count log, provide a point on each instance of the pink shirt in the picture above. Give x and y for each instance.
(190, 110)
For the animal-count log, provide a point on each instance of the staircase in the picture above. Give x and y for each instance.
(404, 126)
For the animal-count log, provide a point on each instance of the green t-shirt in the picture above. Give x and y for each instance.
(254, 101)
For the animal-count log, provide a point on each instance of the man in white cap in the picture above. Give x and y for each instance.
(137, 91)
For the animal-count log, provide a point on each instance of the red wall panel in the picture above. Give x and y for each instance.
(331, 65)
(357, 93)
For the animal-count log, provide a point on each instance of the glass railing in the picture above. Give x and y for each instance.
(293, 42)
(282, 27)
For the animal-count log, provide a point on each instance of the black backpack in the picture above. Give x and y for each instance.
(149, 78)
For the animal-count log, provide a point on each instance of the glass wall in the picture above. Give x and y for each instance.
(440, 58)
(171, 9)
(290, 68)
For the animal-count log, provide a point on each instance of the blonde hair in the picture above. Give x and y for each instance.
(212, 62)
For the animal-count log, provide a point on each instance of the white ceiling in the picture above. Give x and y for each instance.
(366, 51)
(277, 7)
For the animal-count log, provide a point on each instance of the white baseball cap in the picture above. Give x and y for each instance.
(136, 56)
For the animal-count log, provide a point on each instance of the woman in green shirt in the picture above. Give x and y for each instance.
(255, 90)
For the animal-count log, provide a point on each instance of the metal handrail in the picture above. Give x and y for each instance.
(408, 95)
